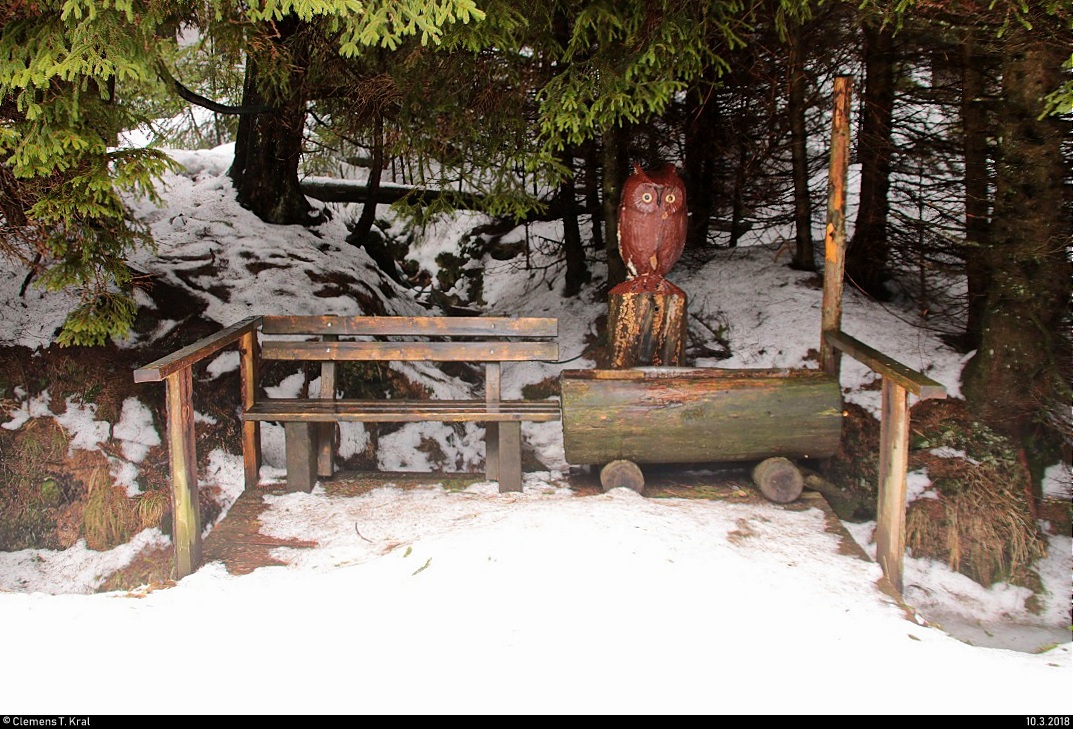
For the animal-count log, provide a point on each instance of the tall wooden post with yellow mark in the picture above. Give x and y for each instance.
(835, 237)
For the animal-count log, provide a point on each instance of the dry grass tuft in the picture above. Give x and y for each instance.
(110, 518)
(981, 522)
(151, 508)
(979, 525)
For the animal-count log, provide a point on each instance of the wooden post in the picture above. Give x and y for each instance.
(893, 466)
(898, 382)
(186, 514)
(301, 456)
(835, 235)
(326, 431)
(492, 371)
(646, 323)
(510, 456)
(251, 429)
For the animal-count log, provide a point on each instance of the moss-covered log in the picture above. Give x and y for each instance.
(677, 415)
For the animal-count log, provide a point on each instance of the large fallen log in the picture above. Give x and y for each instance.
(349, 191)
(342, 191)
(678, 415)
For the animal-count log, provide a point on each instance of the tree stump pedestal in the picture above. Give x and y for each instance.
(646, 323)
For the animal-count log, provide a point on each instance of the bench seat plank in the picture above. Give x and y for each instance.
(403, 411)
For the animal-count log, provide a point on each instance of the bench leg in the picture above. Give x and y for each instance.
(301, 457)
(491, 451)
(510, 457)
(325, 449)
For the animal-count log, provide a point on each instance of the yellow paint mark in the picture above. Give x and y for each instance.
(829, 249)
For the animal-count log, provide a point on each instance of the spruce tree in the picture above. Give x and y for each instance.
(67, 72)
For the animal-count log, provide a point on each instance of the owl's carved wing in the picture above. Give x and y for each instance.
(638, 242)
(672, 243)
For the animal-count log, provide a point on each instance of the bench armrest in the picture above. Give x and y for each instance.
(913, 381)
(188, 355)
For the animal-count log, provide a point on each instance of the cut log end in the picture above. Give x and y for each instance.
(622, 474)
(779, 480)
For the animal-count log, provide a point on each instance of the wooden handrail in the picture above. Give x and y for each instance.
(202, 348)
(898, 382)
(176, 371)
(913, 381)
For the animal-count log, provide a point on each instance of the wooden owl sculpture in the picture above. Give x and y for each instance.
(652, 220)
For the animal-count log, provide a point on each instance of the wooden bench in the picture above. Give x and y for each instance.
(310, 423)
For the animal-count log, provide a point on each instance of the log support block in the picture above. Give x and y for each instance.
(779, 480)
(622, 474)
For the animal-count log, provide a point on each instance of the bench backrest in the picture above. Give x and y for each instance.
(428, 338)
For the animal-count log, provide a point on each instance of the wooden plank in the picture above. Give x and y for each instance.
(510, 457)
(186, 514)
(893, 467)
(835, 236)
(414, 326)
(913, 381)
(506, 351)
(733, 415)
(301, 457)
(402, 411)
(249, 359)
(202, 348)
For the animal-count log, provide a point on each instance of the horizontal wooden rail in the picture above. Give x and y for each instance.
(403, 411)
(913, 381)
(505, 351)
(206, 347)
(429, 326)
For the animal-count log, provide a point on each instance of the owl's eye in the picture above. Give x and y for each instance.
(647, 197)
(670, 197)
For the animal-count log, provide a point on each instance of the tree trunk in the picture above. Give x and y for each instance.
(804, 255)
(614, 173)
(869, 251)
(737, 205)
(975, 128)
(592, 194)
(700, 151)
(268, 147)
(368, 212)
(1018, 380)
(577, 272)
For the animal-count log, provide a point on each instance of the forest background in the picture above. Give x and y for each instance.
(537, 111)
